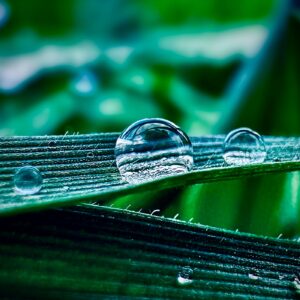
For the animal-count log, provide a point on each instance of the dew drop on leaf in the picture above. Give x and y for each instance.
(52, 144)
(90, 155)
(296, 284)
(253, 276)
(244, 146)
(65, 188)
(153, 148)
(28, 180)
(185, 276)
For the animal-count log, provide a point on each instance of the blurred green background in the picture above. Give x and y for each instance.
(87, 66)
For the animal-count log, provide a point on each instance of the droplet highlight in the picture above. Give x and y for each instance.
(185, 276)
(151, 149)
(244, 146)
(253, 276)
(28, 180)
(296, 284)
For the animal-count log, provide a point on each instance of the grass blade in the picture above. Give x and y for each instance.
(90, 251)
(82, 168)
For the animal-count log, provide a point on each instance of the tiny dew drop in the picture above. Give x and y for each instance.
(296, 284)
(52, 144)
(65, 188)
(244, 146)
(151, 149)
(28, 180)
(185, 276)
(90, 155)
(253, 276)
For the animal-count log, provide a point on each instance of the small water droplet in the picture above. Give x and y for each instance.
(244, 146)
(85, 84)
(66, 188)
(253, 276)
(28, 180)
(4, 12)
(185, 276)
(90, 155)
(152, 148)
(52, 144)
(296, 284)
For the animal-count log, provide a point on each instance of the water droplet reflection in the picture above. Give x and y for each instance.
(152, 148)
(28, 180)
(244, 146)
(185, 276)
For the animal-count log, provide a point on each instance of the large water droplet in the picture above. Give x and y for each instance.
(85, 84)
(28, 180)
(244, 146)
(185, 276)
(152, 148)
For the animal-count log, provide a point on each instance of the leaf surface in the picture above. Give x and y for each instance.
(82, 168)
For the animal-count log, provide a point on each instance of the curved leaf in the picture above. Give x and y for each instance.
(102, 253)
(82, 168)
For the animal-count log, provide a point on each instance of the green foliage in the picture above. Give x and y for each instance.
(94, 252)
(208, 66)
(197, 70)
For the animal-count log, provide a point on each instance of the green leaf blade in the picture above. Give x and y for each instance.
(93, 250)
(82, 168)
